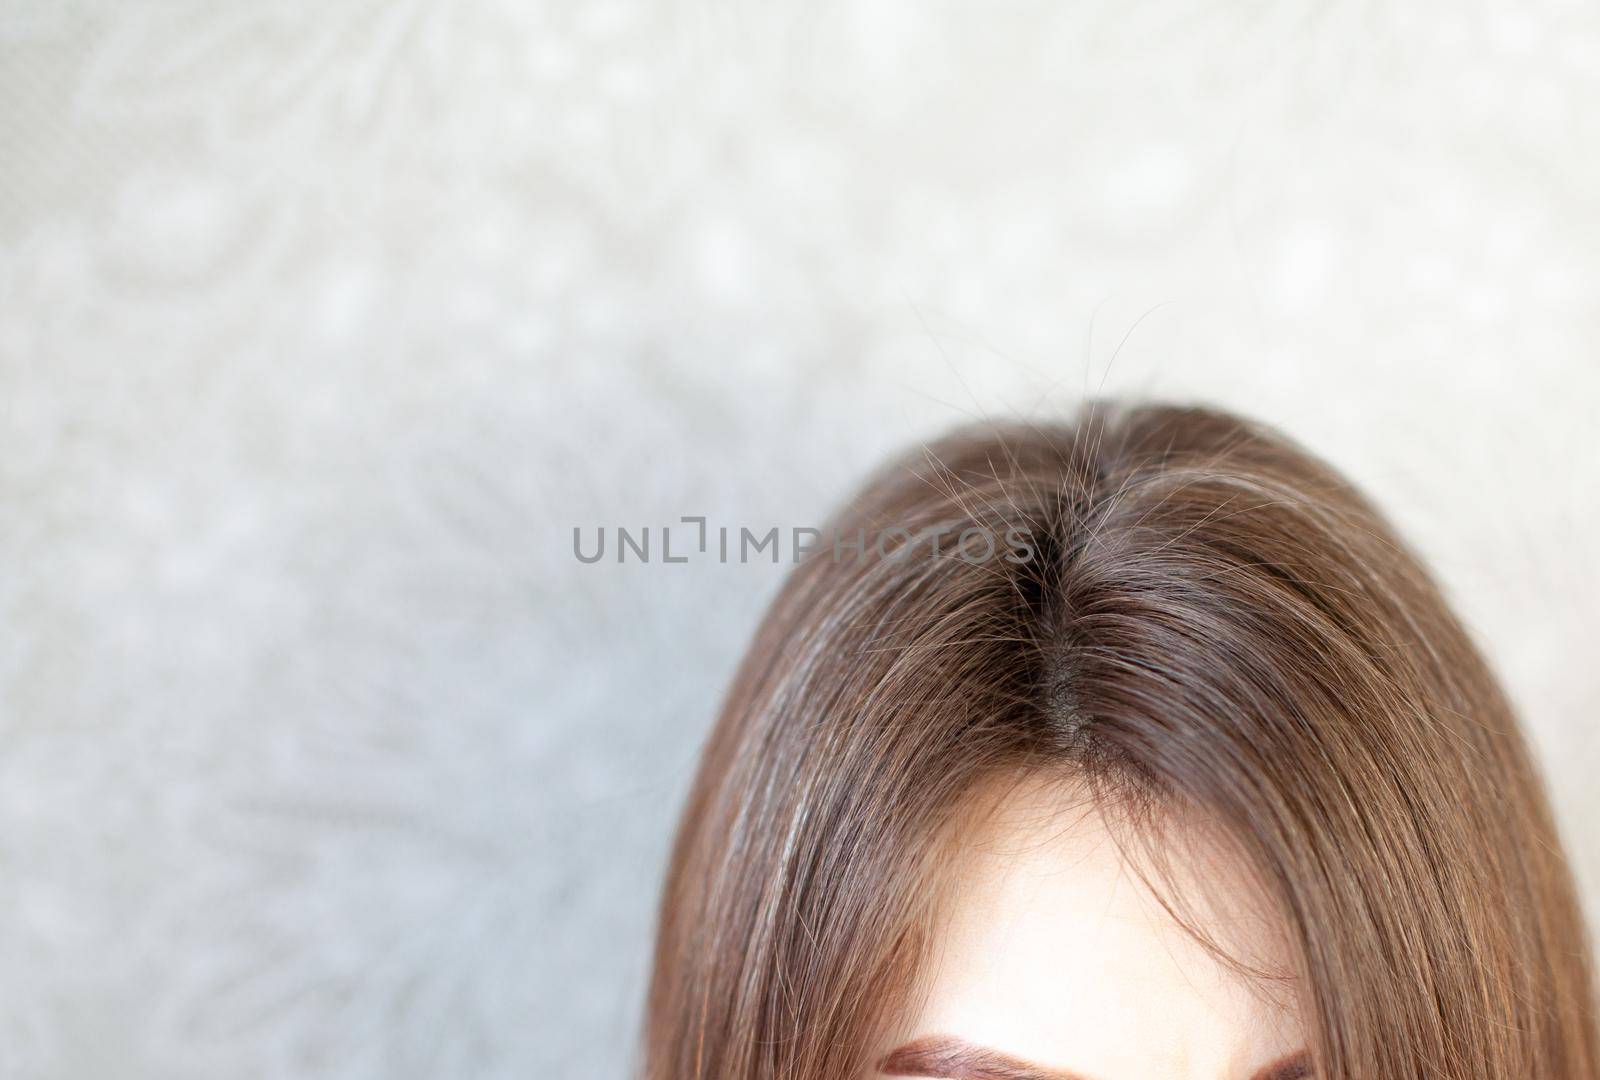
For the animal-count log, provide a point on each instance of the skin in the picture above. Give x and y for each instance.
(1058, 962)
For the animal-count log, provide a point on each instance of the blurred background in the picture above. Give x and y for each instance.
(322, 325)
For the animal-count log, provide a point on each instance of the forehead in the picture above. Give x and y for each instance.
(1056, 949)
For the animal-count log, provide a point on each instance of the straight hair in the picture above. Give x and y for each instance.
(1209, 616)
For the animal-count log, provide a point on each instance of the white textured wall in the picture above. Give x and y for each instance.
(321, 324)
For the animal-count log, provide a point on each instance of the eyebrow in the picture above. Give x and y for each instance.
(945, 1057)
(949, 1058)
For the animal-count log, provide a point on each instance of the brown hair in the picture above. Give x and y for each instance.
(1201, 612)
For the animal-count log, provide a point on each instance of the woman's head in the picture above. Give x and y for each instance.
(1160, 634)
